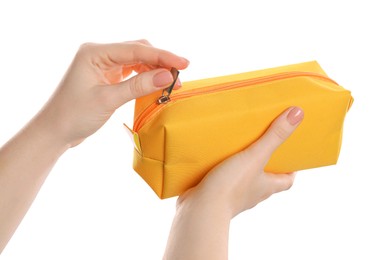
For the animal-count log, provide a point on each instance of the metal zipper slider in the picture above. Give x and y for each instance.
(167, 91)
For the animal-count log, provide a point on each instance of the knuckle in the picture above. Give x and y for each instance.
(288, 184)
(280, 132)
(137, 44)
(285, 184)
(85, 49)
(86, 46)
(136, 86)
(144, 41)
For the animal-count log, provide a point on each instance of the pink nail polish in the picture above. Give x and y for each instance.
(295, 115)
(162, 79)
(178, 82)
(186, 60)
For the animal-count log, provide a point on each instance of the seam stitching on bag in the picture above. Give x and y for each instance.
(163, 161)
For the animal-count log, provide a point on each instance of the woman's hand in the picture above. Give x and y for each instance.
(201, 225)
(96, 84)
(240, 182)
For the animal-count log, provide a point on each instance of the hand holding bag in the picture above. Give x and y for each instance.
(179, 141)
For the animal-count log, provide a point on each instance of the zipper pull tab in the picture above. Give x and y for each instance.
(165, 97)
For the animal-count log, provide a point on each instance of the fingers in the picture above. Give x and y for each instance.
(139, 68)
(118, 60)
(143, 41)
(279, 181)
(131, 53)
(282, 127)
(140, 85)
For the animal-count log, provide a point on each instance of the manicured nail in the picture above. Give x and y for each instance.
(178, 82)
(162, 79)
(295, 116)
(187, 61)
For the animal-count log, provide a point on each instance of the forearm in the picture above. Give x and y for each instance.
(25, 162)
(199, 231)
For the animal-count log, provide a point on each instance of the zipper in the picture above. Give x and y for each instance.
(165, 97)
(155, 107)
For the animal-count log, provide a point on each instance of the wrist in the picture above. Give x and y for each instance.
(47, 134)
(200, 202)
(200, 228)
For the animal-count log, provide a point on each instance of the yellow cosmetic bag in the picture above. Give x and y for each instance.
(179, 141)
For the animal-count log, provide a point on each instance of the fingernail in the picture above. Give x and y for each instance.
(162, 79)
(178, 82)
(187, 61)
(295, 116)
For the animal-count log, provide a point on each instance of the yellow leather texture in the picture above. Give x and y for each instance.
(180, 141)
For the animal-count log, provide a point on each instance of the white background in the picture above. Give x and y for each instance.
(94, 206)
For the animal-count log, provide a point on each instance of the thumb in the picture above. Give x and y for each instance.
(281, 128)
(142, 84)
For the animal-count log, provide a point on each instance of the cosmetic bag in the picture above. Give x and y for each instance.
(178, 141)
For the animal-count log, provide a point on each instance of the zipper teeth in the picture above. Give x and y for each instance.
(142, 118)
